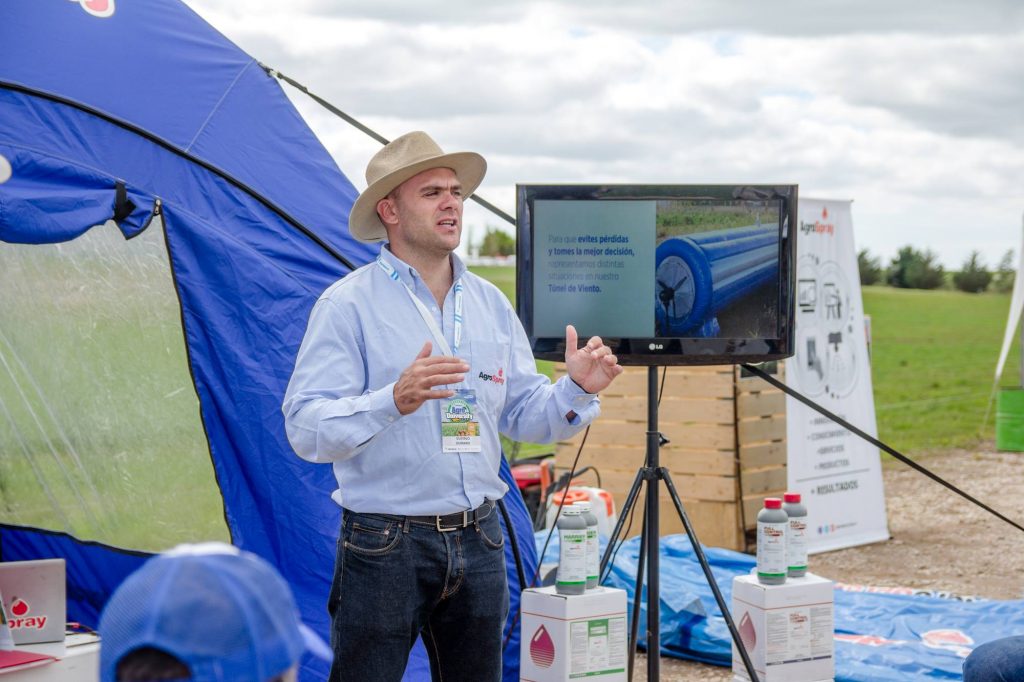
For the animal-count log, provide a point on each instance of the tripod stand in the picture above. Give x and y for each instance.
(652, 473)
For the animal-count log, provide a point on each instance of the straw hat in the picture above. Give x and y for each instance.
(398, 161)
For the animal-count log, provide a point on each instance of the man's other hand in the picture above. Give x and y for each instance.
(416, 384)
(592, 367)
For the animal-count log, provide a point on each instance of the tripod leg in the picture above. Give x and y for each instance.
(637, 591)
(664, 475)
(623, 514)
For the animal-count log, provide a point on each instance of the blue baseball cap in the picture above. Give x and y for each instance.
(225, 613)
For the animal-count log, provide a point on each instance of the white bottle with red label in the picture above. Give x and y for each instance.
(796, 539)
(772, 528)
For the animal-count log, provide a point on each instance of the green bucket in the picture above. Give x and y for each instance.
(1010, 420)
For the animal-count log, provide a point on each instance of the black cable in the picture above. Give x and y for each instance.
(514, 543)
(274, 73)
(877, 443)
(563, 481)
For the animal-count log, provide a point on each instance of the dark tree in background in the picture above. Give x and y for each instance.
(870, 268)
(497, 243)
(1005, 274)
(973, 277)
(913, 269)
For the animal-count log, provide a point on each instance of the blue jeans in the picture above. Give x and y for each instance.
(1001, 660)
(395, 580)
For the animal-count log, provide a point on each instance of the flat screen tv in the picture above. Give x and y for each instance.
(665, 274)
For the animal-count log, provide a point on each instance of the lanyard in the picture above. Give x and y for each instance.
(428, 318)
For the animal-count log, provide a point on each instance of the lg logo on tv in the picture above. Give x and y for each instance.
(657, 346)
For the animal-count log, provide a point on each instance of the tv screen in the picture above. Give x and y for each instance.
(665, 274)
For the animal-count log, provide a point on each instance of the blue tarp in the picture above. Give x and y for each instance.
(154, 102)
(881, 635)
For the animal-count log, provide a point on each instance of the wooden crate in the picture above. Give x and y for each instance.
(726, 448)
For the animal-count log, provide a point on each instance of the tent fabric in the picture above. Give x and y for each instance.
(94, 570)
(1013, 317)
(158, 67)
(253, 211)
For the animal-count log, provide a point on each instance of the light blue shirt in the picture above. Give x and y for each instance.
(339, 406)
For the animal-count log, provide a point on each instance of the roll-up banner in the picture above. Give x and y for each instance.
(838, 474)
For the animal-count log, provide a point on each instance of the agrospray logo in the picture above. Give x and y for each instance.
(819, 226)
(498, 378)
(97, 8)
(19, 617)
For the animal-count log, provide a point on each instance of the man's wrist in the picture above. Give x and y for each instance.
(580, 387)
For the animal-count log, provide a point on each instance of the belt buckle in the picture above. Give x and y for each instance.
(440, 529)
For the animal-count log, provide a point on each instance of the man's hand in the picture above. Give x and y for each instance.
(416, 384)
(592, 367)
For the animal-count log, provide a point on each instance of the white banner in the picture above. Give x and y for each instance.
(838, 474)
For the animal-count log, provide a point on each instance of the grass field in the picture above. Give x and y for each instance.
(932, 364)
(99, 428)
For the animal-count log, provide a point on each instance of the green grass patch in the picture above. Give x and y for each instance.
(933, 358)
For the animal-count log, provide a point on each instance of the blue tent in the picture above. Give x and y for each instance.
(143, 109)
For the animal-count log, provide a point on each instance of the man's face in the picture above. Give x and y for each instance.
(424, 214)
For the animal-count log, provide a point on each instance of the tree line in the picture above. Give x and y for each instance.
(915, 269)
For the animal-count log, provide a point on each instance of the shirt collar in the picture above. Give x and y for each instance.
(409, 274)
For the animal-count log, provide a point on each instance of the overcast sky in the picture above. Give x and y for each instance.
(915, 110)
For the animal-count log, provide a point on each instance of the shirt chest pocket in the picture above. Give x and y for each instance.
(488, 373)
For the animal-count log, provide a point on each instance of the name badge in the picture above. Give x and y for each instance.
(460, 427)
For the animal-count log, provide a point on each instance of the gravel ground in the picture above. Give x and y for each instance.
(939, 540)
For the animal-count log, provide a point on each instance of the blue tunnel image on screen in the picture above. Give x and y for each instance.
(664, 274)
(717, 282)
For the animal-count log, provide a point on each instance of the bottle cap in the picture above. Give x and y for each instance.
(571, 510)
(793, 498)
(582, 506)
(772, 503)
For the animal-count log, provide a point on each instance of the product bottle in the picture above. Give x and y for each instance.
(796, 538)
(593, 544)
(772, 524)
(572, 552)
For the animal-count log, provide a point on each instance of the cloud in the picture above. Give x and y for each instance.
(912, 109)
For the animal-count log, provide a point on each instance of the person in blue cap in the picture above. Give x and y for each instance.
(204, 613)
(410, 368)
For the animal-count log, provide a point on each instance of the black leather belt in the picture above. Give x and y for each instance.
(455, 520)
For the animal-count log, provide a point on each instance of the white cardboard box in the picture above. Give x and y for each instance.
(787, 629)
(573, 637)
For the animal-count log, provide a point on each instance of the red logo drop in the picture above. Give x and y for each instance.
(19, 607)
(542, 648)
(747, 632)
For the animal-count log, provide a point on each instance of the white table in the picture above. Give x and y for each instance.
(78, 660)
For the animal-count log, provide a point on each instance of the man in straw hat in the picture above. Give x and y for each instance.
(410, 368)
